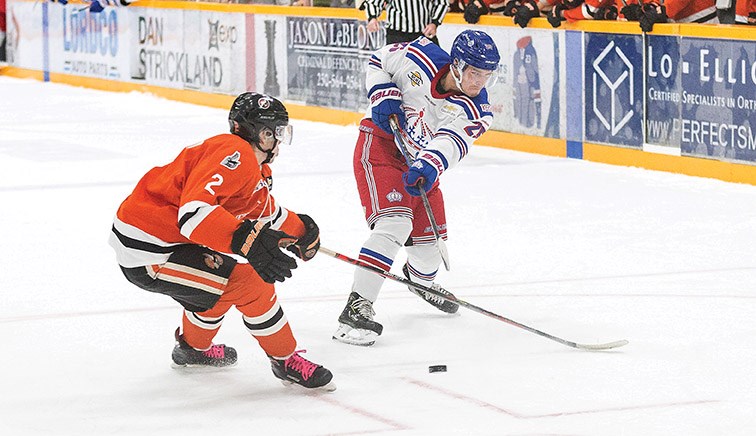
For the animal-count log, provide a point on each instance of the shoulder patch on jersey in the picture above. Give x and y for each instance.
(233, 161)
(415, 78)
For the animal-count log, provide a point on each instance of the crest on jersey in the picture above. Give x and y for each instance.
(213, 260)
(231, 162)
(264, 183)
(394, 196)
(415, 78)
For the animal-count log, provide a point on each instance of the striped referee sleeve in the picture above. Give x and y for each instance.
(409, 16)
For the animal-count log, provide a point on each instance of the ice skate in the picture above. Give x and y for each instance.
(297, 369)
(356, 325)
(434, 300)
(217, 356)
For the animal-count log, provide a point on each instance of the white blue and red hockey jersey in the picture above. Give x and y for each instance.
(444, 123)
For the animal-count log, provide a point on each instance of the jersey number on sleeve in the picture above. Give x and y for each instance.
(217, 180)
(475, 130)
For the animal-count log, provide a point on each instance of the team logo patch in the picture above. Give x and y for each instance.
(213, 261)
(264, 102)
(264, 183)
(394, 196)
(415, 78)
(231, 162)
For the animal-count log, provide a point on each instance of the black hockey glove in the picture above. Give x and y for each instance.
(261, 246)
(528, 9)
(608, 13)
(307, 246)
(510, 8)
(632, 12)
(474, 10)
(555, 17)
(652, 13)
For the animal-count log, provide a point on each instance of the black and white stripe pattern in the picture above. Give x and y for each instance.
(268, 323)
(204, 322)
(135, 247)
(410, 16)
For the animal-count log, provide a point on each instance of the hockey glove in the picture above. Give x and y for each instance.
(422, 174)
(608, 13)
(474, 10)
(555, 17)
(510, 8)
(652, 13)
(261, 246)
(528, 9)
(307, 246)
(387, 101)
(631, 12)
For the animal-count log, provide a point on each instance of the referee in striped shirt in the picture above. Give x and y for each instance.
(406, 20)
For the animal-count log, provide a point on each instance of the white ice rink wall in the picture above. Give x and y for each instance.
(680, 99)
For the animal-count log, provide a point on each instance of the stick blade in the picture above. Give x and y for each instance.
(602, 347)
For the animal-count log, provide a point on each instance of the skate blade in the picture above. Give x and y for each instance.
(352, 336)
(329, 387)
(200, 368)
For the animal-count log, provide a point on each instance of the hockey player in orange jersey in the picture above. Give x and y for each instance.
(745, 12)
(206, 231)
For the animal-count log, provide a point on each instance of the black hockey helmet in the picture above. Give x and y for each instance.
(251, 112)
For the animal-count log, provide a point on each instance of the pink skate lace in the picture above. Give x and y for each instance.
(216, 352)
(300, 364)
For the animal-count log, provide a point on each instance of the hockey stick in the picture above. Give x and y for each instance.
(436, 233)
(465, 304)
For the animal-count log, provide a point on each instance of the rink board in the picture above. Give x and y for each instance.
(680, 99)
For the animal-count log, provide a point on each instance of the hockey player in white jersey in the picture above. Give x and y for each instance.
(442, 106)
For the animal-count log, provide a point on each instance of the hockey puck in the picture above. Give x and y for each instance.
(437, 368)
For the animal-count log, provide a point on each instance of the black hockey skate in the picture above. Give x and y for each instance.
(434, 300)
(356, 325)
(297, 369)
(217, 356)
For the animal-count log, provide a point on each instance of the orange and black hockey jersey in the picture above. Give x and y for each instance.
(201, 197)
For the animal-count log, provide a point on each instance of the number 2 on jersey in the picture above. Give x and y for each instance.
(217, 180)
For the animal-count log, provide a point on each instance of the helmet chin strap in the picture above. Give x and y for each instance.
(268, 153)
(457, 80)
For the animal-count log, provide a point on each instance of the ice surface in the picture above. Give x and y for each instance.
(587, 252)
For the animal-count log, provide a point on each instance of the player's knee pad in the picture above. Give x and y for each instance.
(424, 258)
(393, 228)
